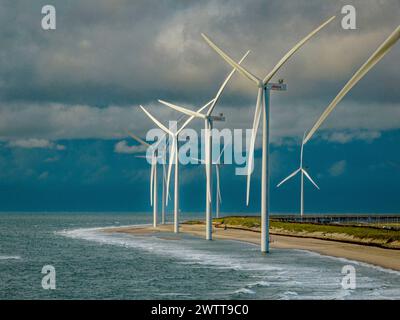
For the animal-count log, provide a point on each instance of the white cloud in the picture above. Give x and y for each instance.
(347, 136)
(60, 147)
(59, 121)
(338, 168)
(123, 147)
(33, 143)
(43, 175)
(32, 124)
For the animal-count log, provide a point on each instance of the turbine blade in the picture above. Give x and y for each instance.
(171, 158)
(218, 183)
(368, 65)
(293, 50)
(151, 182)
(207, 160)
(220, 155)
(155, 145)
(181, 118)
(135, 137)
(198, 160)
(164, 172)
(241, 69)
(206, 105)
(183, 110)
(221, 89)
(309, 178)
(167, 195)
(164, 181)
(288, 177)
(302, 150)
(192, 117)
(158, 123)
(256, 122)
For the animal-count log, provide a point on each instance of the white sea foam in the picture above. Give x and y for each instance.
(244, 291)
(187, 254)
(349, 261)
(158, 246)
(10, 257)
(259, 284)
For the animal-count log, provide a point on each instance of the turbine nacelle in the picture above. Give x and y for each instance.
(216, 118)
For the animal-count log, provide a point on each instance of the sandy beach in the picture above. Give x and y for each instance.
(387, 258)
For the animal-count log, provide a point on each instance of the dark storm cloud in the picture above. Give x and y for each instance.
(117, 54)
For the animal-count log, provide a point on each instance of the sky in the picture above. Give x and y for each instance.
(67, 97)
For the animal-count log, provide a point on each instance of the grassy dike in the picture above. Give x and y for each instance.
(351, 234)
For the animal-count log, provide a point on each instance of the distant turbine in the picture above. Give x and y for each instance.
(262, 99)
(174, 157)
(153, 178)
(208, 124)
(302, 172)
(368, 65)
(164, 153)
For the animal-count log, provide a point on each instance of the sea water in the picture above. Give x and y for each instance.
(92, 264)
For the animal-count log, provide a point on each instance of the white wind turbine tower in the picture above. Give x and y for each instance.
(174, 158)
(303, 173)
(153, 177)
(373, 59)
(208, 125)
(262, 107)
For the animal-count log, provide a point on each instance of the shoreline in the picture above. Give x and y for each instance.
(381, 257)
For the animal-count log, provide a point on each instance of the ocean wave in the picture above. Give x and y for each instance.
(349, 261)
(279, 272)
(188, 255)
(81, 232)
(258, 284)
(10, 257)
(291, 293)
(244, 291)
(179, 250)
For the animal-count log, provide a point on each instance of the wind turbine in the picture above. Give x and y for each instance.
(208, 125)
(262, 107)
(303, 173)
(382, 50)
(153, 178)
(174, 158)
